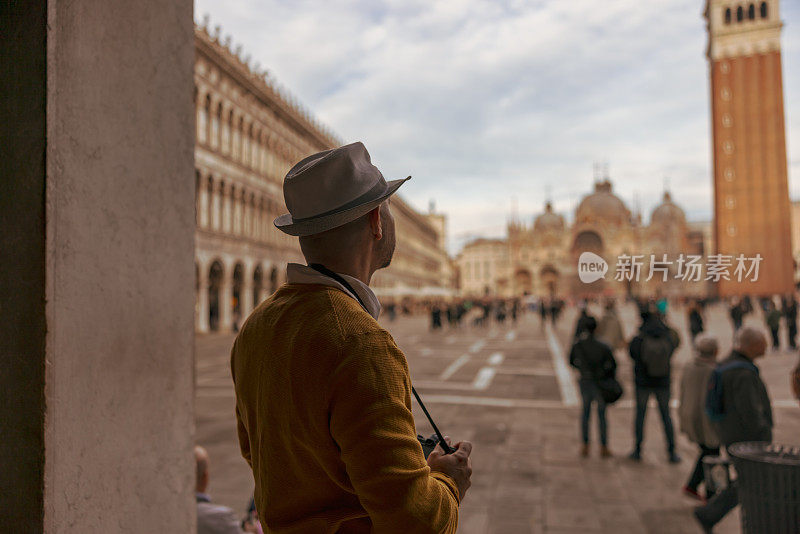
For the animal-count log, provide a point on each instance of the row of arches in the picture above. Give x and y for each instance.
(226, 292)
(748, 13)
(222, 205)
(223, 127)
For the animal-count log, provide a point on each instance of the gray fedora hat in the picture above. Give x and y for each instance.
(332, 188)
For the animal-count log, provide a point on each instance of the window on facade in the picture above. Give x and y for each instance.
(739, 14)
(764, 12)
(202, 120)
(751, 12)
(728, 16)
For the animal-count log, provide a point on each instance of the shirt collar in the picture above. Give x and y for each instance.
(303, 274)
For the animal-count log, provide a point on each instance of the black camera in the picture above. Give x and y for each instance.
(428, 444)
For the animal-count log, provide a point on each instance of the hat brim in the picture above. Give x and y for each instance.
(323, 223)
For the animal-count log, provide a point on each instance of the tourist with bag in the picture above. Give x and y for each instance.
(694, 421)
(738, 405)
(595, 362)
(651, 350)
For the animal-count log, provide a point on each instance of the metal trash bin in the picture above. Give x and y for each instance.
(769, 486)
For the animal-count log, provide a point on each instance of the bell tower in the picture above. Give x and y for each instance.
(751, 192)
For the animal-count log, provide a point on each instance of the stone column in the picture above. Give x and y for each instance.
(216, 205)
(96, 391)
(225, 197)
(201, 308)
(246, 293)
(203, 219)
(226, 300)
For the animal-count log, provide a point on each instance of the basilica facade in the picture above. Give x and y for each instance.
(542, 258)
(249, 133)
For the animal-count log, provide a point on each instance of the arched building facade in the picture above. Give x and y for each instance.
(249, 134)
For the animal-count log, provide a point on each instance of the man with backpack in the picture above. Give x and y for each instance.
(651, 351)
(738, 404)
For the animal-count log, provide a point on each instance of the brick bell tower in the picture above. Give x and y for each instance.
(751, 193)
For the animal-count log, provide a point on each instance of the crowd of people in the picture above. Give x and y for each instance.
(720, 402)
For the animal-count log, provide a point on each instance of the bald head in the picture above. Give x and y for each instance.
(751, 342)
(201, 463)
(706, 346)
(358, 248)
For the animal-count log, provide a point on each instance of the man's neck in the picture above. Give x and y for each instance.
(350, 268)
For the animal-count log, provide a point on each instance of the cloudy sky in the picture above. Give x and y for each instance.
(495, 104)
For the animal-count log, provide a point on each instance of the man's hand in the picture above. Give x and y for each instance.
(457, 465)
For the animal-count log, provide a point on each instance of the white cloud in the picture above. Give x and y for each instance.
(482, 101)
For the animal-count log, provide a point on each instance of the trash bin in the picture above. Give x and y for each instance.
(769, 486)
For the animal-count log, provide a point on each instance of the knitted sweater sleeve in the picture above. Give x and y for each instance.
(371, 422)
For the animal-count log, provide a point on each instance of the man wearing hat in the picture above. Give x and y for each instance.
(323, 393)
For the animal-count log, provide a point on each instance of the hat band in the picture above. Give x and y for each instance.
(375, 192)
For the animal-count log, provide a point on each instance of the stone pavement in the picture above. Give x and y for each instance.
(507, 389)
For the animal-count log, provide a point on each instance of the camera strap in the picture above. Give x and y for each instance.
(330, 274)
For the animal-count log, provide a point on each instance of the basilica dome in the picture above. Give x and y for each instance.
(603, 206)
(549, 221)
(667, 213)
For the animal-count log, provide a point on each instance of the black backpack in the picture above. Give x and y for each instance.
(656, 352)
(715, 402)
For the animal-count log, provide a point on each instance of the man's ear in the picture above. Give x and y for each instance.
(375, 223)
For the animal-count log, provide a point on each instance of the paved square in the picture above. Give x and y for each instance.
(507, 389)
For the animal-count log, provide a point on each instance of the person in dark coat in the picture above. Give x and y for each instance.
(543, 307)
(651, 351)
(695, 320)
(737, 315)
(595, 361)
(773, 320)
(748, 415)
(790, 314)
(580, 326)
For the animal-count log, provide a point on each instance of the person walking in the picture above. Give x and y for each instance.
(790, 315)
(595, 361)
(543, 307)
(323, 393)
(773, 320)
(609, 328)
(747, 414)
(737, 315)
(695, 320)
(651, 350)
(580, 325)
(694, 421)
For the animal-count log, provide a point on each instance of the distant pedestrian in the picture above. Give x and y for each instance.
(500, 312)
(609, 328)
(651, 351)
(595, 361)
(737, 315)
(747, 413)
(794, 380)
(543, 307)
(580, 325)
(790, 315)
(662, 304)
(695, 320)
(693, 419)
(773, 320)
(436, 317)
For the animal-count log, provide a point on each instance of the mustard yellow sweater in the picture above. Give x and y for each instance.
(323, 406)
